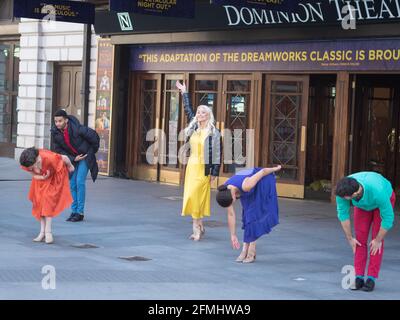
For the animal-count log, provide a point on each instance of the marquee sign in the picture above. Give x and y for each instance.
(357, 55)
(235, 17)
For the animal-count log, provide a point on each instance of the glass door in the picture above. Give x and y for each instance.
(234, 116)
(207, 90)
(171, 126)
(285, 131)
(146, 127)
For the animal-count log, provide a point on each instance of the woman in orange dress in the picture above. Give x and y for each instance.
(49, 192)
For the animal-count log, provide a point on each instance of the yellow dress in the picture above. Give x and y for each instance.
(197, 189)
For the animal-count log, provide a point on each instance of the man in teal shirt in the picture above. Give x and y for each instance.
(373, 199)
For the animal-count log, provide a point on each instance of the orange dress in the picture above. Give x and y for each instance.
(51, 196)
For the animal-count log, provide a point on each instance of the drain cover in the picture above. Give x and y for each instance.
(214, 224)
(299, 279)
(134, 258)
(173, 198)
(84, 246)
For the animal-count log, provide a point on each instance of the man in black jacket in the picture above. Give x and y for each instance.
(80, 144)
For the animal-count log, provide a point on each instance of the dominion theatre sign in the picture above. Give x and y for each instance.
(232, 15)
(316, 12)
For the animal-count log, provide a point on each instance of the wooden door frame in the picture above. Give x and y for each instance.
(341, 130)
(136, 168)
(166, 174)
(222, 114)
(288, 188)
(56, 69)
(396, 112)
(192, 78)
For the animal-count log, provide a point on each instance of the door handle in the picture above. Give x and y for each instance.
(315, 134)
(303, 139)
(391, 139)
(321, 143)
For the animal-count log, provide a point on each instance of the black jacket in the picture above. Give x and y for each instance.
(212, 147)
(84, 140)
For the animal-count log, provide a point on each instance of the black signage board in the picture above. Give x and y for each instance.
(230, 17)
(55, 10)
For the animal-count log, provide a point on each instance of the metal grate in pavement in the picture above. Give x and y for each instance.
(20, 276)
(84, 246)
(134, 258)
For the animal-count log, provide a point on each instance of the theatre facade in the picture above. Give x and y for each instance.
(313, 90)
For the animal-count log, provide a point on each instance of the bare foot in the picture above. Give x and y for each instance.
(267, 171)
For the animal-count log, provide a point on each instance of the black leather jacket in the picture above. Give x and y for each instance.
(212, 147)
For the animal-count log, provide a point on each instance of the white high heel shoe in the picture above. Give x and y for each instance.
(39, 238)
(49, 238)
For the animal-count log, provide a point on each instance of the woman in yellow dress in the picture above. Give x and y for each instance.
(203, 164)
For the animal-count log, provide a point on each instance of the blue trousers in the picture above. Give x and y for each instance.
(77, 184)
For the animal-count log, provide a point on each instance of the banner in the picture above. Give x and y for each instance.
(283, 5)
(55, 10)
(105, 70)
(357, 55)
(171, 8)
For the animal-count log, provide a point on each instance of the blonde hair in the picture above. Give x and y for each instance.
(210, 126)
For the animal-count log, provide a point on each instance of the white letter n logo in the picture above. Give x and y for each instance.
(125, 21)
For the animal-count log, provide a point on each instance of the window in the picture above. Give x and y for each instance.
(6, 12)
(9, 72)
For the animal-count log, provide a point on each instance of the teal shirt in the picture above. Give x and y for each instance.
(377, 193)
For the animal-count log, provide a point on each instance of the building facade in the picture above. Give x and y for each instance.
(9, 77)
(58, 64)
(321, 95)
(313, 90)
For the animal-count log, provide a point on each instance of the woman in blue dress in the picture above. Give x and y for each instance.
(256, 189)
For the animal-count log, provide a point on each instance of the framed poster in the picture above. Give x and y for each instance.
(104, 89)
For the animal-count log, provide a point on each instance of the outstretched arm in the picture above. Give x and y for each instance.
(232, 227)
(186, 101)
(250, 182)
(68, 163)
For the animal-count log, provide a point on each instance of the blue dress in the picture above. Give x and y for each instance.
(260, 205)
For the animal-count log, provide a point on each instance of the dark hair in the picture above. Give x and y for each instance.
(224, 196)
(61, 113)
(28, 157)
(346, 187)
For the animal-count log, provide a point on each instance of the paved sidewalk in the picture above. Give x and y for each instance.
(301, 259)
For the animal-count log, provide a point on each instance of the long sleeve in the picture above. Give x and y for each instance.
(343, 208)
(90, 136)
(387, 214)
(188, 107)
(57, 148)
(216, 153)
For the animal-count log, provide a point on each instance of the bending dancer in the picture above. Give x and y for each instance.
(256, 189)
(49, 192)
(373, 199)
(203, 164)
(80, 144)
